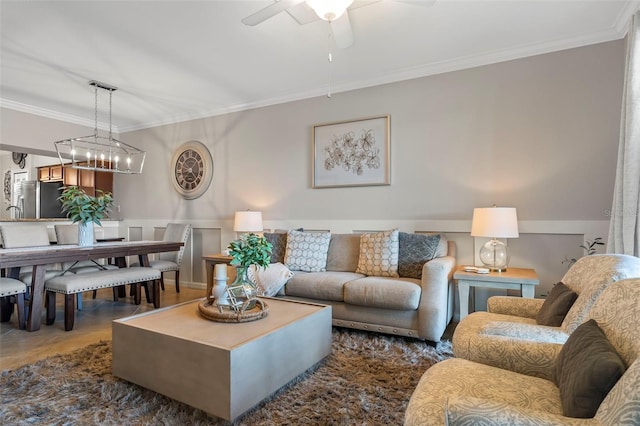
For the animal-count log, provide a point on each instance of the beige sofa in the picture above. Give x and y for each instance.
(507, 336)
(420, 308)
(462, 392)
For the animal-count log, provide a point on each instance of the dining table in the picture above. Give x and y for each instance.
(13, 259)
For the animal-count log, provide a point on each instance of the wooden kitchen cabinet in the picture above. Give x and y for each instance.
(50, 173)
(88, 180)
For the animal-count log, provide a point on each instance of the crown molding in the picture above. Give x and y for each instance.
(55, 115)
(622, 21)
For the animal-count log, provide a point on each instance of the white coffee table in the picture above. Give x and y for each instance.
(221, 368)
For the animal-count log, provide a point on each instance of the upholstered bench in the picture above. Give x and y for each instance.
(70, 285)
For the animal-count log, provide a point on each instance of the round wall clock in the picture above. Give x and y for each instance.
(19, 158)
(191, 169)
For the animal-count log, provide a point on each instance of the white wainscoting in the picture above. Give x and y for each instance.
(542, 245)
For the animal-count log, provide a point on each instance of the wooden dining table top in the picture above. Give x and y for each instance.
(42, 255)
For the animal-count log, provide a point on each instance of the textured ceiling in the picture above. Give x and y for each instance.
(178, 60)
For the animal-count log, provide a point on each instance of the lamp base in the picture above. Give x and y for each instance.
(494, 255)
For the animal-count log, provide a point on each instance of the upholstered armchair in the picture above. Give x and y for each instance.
(462, 392)
(508, 336)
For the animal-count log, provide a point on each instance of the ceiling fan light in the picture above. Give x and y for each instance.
(329, 10)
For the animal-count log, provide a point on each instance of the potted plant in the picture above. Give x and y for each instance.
(249, 249)
(589, 248)
(85, 209)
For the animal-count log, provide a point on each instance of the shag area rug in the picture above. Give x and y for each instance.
(367, 380)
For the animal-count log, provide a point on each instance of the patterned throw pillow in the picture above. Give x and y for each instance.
(379, 254)
(307, 251)
(279, 242)
(414, 251)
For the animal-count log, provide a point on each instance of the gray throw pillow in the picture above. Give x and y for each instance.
(279, 243)
(556, 305)
(414, 251)
(587, 368)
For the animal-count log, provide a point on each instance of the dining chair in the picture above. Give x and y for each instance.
(167, 262)
(10, 290)
(18, 236)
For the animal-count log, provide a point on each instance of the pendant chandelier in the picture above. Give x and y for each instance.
(97, 152)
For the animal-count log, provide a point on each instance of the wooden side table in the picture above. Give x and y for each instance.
(524, 280)
(213, 259)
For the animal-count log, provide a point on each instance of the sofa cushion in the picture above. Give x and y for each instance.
(556, 305)
(278, 242)
(269, 280)
(307, 251)
(344, 250)
(587, 368)
(379, 254)
(320, 285)
(383, 292)
(414, 250)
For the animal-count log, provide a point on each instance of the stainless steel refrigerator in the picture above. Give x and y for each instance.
(40, 199)
(29, 198)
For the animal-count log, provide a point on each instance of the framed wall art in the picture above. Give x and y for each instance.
(352, 153)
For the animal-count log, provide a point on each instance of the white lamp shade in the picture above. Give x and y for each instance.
(248, 221)
(495, 222)
(329, 9)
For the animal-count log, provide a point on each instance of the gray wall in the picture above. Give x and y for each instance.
(539, 134)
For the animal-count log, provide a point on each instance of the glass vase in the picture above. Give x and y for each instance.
(243, 289)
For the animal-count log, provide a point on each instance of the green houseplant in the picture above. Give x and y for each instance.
(589, 248)
(249, 249)
(85, 209)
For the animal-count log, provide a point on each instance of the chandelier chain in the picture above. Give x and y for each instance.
(95, 109)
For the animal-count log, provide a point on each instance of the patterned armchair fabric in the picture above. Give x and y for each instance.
(462, 392)
(508, 337)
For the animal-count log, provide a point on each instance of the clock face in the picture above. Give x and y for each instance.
(192, 170)
(189, 169)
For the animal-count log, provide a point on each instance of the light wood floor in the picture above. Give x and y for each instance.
(92, 324)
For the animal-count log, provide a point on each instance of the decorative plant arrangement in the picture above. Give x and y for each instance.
(589, 247)
(250, 249)
(84, 208)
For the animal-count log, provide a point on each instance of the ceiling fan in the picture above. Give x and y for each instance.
(333, 11)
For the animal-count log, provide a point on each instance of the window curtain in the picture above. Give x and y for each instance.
(624, 228)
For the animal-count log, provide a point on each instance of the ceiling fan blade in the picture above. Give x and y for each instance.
(341, 29)
(361, 3)
(425, 3)
(303, 13)
(269, 11)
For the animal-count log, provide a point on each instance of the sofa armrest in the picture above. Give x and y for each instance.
(433, 311)
(516, 306)
(464, 410)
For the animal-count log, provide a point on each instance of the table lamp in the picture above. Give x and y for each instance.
(247, 221)
(495, 222)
